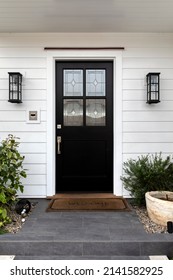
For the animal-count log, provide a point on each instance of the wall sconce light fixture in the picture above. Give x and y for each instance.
(15, 87)
(153, 88)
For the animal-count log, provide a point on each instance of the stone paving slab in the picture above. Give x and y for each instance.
(84, 234)
(159, 257)
(6, 257)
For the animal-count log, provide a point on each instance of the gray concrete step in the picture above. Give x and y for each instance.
(81, 257)
(82, 249)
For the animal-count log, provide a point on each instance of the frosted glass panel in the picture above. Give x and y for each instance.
(154, 79)
(73, 82)
(73, 112)
(154, 87)
(95, 112)
(95, 82)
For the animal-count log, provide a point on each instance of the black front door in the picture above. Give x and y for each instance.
(84, 126)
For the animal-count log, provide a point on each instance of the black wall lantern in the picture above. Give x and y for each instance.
(15, 87)
(153, 88)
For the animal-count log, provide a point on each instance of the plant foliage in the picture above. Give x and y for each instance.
(11, 173)
(147, 173)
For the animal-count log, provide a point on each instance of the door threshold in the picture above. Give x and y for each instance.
(83, 195)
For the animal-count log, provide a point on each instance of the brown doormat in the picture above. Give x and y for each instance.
(87, 202)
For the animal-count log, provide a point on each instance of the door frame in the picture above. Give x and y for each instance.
(116, 58)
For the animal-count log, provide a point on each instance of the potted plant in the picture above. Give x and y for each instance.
(160, 206)
(11, 173)
(150, 173)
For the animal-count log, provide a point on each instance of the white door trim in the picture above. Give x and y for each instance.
(116, 57)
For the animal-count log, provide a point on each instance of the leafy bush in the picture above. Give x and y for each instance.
(11, 172)
(147, 173)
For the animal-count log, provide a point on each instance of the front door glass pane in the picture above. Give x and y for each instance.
(95, 82)
(95, 112)
(73, 112)
(73, 82)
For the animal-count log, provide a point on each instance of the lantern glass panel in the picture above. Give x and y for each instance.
(154, 79)
(154, 87)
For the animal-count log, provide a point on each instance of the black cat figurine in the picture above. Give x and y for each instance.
(23, 205)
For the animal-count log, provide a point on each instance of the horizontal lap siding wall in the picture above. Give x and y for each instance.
(146, 128)
(31, 63)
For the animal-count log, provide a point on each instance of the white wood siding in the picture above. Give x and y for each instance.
(31, 63)
(146, 128)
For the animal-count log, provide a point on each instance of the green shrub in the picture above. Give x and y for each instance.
(4, 218)
(2, 231)
(11, 172)
(147, 173)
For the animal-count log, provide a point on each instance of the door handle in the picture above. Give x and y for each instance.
(59, 145)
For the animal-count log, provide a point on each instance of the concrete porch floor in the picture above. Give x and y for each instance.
(83, 235)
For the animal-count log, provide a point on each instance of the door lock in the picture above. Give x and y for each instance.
(59, 145)
(58, 126)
